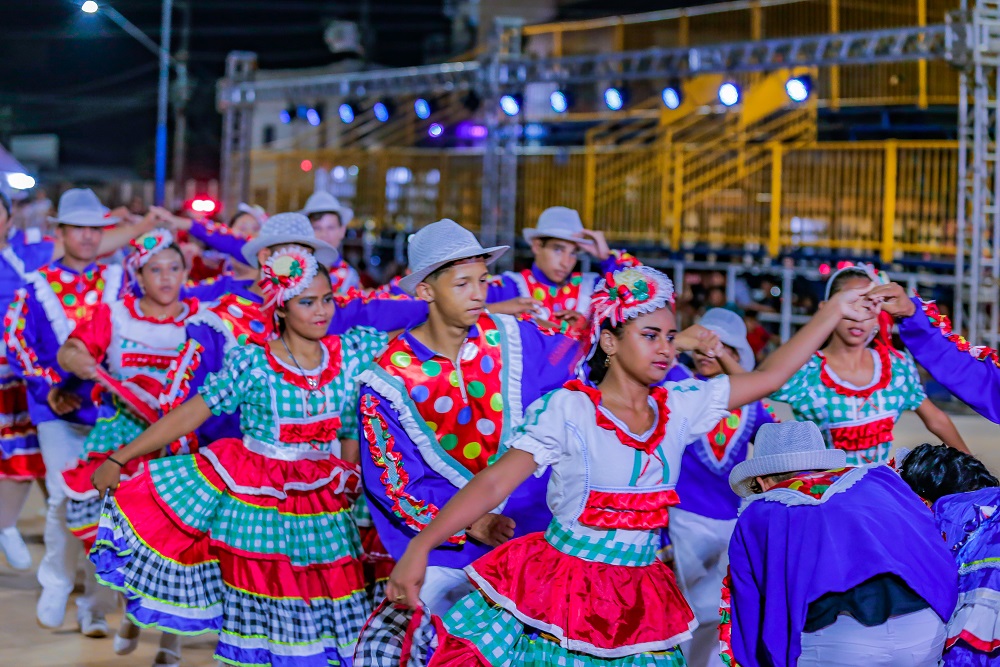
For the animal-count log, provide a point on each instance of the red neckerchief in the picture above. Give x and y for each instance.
(648, 446)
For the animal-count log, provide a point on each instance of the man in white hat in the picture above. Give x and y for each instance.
(329, 219)
(44, 312)
(443, 398)
(700, 527)
(551, 285)
(817, 574)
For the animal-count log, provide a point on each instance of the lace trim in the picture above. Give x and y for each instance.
(885, 376)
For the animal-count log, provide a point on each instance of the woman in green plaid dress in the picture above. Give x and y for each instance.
(254, 538)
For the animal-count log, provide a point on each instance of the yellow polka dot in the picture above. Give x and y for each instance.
(453, 379)
(432, 426)
(472, 450)
(56, 287)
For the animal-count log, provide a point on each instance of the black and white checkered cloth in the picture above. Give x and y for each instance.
(382, 639)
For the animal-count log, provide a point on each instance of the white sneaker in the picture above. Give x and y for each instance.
(92, 625)
(14, 548)
(51, 609)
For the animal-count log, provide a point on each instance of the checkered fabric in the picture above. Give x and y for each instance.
(248, 382)
(185, 490)
(112, 432)
(81, 514)
(503, 640)
(381, 641)
(600, 550)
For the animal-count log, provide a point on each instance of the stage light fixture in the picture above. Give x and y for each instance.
(560, 101)
(799, 88)
(286, 115)
(672, 95)
(510, 104)
(312, 115)
(615, 98)
(435, 130)
(347, 113)
(729, 94)
(422, 108)
(383, 110)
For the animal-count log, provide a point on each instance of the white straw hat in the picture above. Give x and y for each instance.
(289, 229)
(558, 222)
(324, 202)
(80, 207)
(785, 447)
(732, 331)
(441, 243)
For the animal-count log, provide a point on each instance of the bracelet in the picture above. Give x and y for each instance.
(116, 462)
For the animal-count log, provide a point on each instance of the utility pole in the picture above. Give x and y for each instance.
(182, 96)
(163, 102)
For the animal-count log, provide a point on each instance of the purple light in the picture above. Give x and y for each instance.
(471, 131)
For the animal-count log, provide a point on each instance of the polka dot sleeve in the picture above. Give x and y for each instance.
(360, 347)
(227, 389)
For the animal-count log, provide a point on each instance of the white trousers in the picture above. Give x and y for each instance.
(701, 558)
(62, 443)
(913, 640)
(443, 587)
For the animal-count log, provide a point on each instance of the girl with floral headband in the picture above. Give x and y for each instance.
(858, 385)
(253, 538)
(590, 589)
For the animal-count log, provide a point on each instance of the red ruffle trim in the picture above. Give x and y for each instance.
(975, 642)
(454, 651)
(267, 576)
(250, 470)
(649, 446)
(319, 431)
(630, 511)
(325, 377)
(23, 467)
(882, 383)
(943, 324)
(606, 606)
(132, 303)
(862, 436)
(78, 478)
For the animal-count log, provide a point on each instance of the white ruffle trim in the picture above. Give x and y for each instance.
(978, 614)
(792, 498)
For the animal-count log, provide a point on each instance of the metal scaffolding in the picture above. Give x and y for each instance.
(970, 40)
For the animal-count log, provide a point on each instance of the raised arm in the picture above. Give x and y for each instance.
(790, 357)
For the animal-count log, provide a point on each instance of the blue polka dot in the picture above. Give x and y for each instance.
(257, 326)
(487, 364)
(420, 393)
(79, 288)
(465, 415)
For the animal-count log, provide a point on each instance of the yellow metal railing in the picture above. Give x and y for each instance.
(895, 198)
(919, 83)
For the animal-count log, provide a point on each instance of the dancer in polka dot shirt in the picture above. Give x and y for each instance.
(441, 402)
(551, 286)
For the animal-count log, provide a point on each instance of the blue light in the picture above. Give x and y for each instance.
(286, 116)
(614, 99)
(510, 105)
(422, 108)
(435, 130)
(729, 94)
(558, 102)
(346, 113)
(799, 88)
(313, 117)
(671, 97)
(381, 112)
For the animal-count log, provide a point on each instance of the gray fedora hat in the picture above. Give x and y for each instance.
(558, 222)
(324, 202)
(732, 331)
(441, 243)
(289, 229)
(785, 447)
(80, 207)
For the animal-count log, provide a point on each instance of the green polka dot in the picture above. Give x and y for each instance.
(472, 450)
(449, 441)
(538, 293)
(56, 287)
(477, 389)
(431, 368)
(150, 243)
(732, 421)
(453, 378)
(576, 280)
(496, 402)
(69, 299)
(554, 291)
(242, 339)
(720, 438)
(493, 459)
(493, 337)
(400, 359)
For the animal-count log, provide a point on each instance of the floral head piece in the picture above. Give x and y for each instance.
(624, 295)
(288, 272)
(143, 249)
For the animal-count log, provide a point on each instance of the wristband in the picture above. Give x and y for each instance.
(116, 462)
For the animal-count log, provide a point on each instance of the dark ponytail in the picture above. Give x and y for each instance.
(598, 363)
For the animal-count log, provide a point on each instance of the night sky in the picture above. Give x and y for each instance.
(83, 77)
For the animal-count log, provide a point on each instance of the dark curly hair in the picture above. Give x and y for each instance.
(933, 471)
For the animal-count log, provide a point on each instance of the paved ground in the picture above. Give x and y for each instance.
(24, 644)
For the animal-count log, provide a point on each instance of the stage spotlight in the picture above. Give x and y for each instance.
(287, 115)
(422, 108)
(347, 113)
(615, 98)
(312, 115)
(384, 110)
(560, 101)
(510, 104)
(729, 94)
(435, 130)
(799, 88)
(672, 96)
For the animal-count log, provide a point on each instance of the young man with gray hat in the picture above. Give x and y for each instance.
(239, 301)
(329, 219)
(442, 400)
(700, 527)
(817, 577)
(551, 286)
(44, 312)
